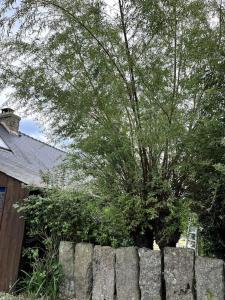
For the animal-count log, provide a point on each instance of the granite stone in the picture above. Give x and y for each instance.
(103, 273)
(150, 274)
(209, 274)
(127, 274)
(179, 273)
(83, 271)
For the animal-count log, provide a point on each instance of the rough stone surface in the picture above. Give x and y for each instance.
(209, 275)
(103, 273)
(179, 273)
(127, 274)
(83, 271)
(11, 120)
(150, 274)
(66, 259)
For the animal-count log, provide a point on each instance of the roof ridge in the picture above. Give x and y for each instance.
(20, 132)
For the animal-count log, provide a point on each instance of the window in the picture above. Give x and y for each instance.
(3, 144)
(2, 196)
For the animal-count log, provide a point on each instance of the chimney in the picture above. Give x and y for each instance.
(9, 120)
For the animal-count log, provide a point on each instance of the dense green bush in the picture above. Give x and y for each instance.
(69, 215)
(54, 214)
(73, 216)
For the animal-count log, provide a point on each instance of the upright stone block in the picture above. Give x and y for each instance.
(209, 275)
(83, 271)
(127, 274)
(179, 273)
(103, 273)
(150, 274)
(66, 259)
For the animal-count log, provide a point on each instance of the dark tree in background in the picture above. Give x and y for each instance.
(207, 165)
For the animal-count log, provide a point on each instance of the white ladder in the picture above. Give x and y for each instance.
(192, 237)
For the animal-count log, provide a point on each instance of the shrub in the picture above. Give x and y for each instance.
(68, 215)
(55, 214)
(46, 275)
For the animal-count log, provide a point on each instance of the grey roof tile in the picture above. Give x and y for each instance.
(28, 157)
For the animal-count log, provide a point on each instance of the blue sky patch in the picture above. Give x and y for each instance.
(30, 127)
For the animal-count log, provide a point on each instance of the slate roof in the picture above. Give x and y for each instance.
(28, 157)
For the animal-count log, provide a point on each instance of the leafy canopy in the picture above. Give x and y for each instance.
(126, 86)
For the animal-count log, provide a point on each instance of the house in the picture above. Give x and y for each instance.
(22, 160)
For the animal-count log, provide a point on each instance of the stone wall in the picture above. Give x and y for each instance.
(104, 273)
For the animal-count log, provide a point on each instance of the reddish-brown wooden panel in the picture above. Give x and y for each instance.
(1, 211)
(11, 233)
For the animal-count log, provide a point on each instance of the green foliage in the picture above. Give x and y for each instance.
(69, 215)
(46, 275)
(73, 216)
(207, 163)
(127, 89)
(57, 214)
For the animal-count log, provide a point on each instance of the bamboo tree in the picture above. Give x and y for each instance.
(126, 90)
